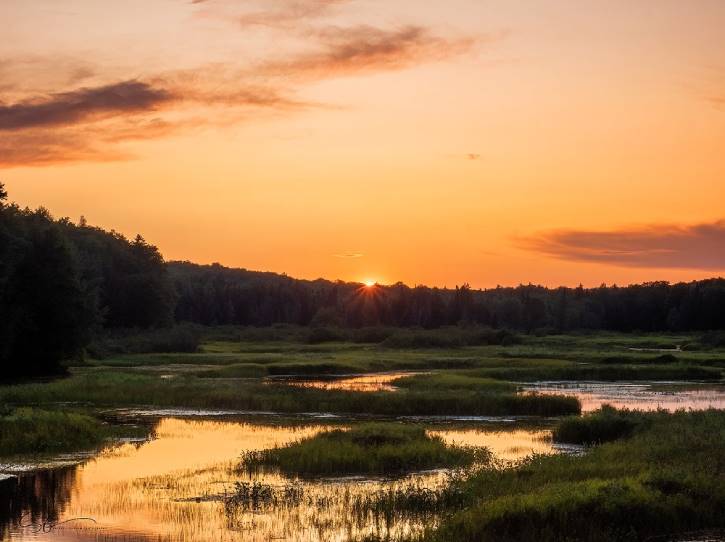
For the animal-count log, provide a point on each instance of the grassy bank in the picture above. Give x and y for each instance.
(112, 388)
(36, 431)
(370, 448)
(668, 477)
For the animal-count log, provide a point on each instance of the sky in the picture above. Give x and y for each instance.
(489, 142)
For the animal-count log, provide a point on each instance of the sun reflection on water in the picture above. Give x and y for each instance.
(172, 488)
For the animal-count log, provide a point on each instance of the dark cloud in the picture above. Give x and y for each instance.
(700, 246)
(89, 124)
(366, 48)
(83, 104)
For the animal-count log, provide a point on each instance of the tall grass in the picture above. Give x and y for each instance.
(370, 448)
(111, 388)
(667, 478)
(36, 431)
(603, 425)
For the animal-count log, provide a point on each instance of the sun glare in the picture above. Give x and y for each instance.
(369, 283)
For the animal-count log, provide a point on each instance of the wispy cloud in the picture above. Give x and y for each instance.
(699, 246)
(83, 104)
(350, 255)
(88, 124)
(284, 13)
(80, 112)
(359, 49)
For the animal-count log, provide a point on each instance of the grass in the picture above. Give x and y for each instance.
(370, 448)
(603, 425)
(36, 431)
(453, 381)
(108, 388)
(667, 478)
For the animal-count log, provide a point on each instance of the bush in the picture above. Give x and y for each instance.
(449, 337)
(318, 335)
(180, 338)
(713, 339)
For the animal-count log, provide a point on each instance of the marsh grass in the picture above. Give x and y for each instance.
(667, 478)
(453, 381)
(369, 448)
(603, 425)
(36, 431)
(108, 388)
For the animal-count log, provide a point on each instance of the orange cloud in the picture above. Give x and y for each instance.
(289, 12)
(82, 104)
(365, 48)
(699, 246)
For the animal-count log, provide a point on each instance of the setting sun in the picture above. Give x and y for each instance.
(369, 283)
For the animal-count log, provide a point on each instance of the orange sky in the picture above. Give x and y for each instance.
(489, 142)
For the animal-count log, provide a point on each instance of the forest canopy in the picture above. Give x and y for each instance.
(62, 282)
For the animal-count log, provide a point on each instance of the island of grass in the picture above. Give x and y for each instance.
(34, 431)
(368, 449)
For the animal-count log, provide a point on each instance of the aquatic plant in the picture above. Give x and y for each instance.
(667, 478)
(369, 448)
(35, 431)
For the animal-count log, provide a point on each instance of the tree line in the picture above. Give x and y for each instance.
(213, 295)
(63, 282)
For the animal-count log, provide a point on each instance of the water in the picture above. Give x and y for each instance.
(637, 395)
(174, 486)
(367, 383)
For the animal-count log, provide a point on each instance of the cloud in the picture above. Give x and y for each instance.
(83, 104)
(350, 255)
(364, 48)
(88, 124)
(473, 156)
(288, 12)
(699, 246)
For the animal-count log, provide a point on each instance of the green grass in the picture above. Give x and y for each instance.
(603, 425)
(370, 448)
(667, 478)
(453, 381)
(36, 431)
(108, 388)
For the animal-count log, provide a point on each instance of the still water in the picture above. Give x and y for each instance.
(173, 488)
(637, 395)
(368, 382)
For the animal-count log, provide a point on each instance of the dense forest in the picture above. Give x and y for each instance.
(62, 282)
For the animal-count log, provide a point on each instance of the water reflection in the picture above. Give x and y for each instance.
(175, 488)
(638, 395)
(369, 383)
(34, 502)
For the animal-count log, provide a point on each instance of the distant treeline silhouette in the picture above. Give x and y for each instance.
(61, 283)
(213, 294)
